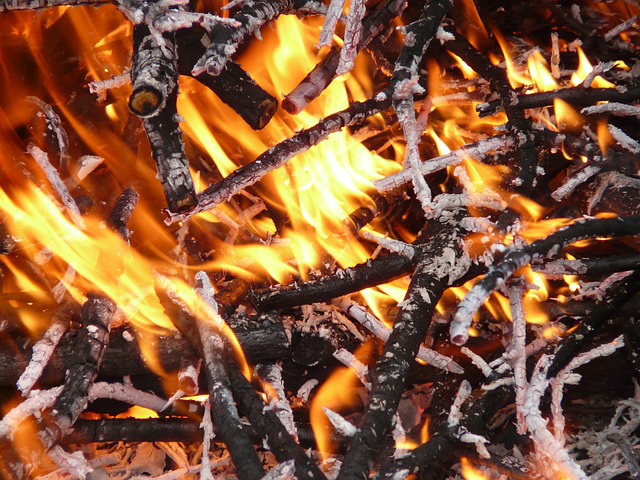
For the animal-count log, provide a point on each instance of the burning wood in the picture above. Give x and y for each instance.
(407, 271)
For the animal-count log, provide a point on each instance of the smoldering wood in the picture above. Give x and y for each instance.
(578, 96)
(154, 71)
(122, 212)
(590, 326)
(523, 138)
(279, 154)
(233, 85)
(17, 5)
(324, 72)
(441, 261)
(383, 204)
(230, 297)
(382, 269)
(270, 428)
(164, 135)
(261, 337)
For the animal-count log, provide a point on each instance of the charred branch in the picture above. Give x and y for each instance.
(122, 212)
(518, 257)
(442, 261)
(323, 74)
(278, 155)
(590, 267)
(590, 326)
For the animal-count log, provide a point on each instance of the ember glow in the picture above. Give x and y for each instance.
(271, 264)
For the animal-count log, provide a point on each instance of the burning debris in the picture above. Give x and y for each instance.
(380, 240)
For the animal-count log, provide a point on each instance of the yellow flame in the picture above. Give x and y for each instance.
(584, 69)
(138, 412)
(567, 118)
(540, 74)
(469, 472)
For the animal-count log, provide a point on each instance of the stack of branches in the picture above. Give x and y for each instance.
(485, 379)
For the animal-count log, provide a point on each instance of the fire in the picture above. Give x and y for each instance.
(566, 117)
(584, 69)
(337, 392)
(540, 74)
(469, 472)
(138, 412)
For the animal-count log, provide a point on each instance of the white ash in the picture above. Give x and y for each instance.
(517, 349)
(42, 159)
(398, 246)
(307, 387)
(176, 20)
(271, 374)
(349, 360)
(544, 441)
(463, 394)
(572, 182)
(478, 224)
(72, 464)
(599, 69)
(476, 150)
(452, 201)
(60, 289)
(443, 36)
(207, 431)
(375, 326)
(624, 140)
(342, 426)
(86, 165)
(498, 383)
(617, 30)
(284, 471)
(101, 87)
(478, 361)
(340, 318)
(37, 401)
(42, 351)
(614, 108)
(330, 21)
(555, 56)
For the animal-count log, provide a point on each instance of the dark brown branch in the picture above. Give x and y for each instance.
(122, 212)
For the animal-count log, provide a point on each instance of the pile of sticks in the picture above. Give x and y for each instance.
(457, 381)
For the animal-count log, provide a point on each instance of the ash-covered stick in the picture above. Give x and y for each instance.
(517, 349)
(589, 326)
(352, 35)
(55, 124)
(154, 71)
(517, 124)
(380, 330)
(267, 423)
(279, 154)
(270, 375)
(374, 272)
(474, 150)
(441, 262)
(43, 348)
(588, 266)
(226, 39)
(163, 131)
(418, 36)
(323, 74)
(330, 21)
(224, 412)
(577, 96)
(233, 85)
(15, 5)
(42, 159)
(97, 314)
(518, 257)
(122, 212)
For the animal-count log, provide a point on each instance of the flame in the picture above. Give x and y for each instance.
(604, 137)
(516, 77)
(424, 431)
(138, 412)
(469, 472)
(584, 69)
(567, 118)
(337, 392)
(540, 74)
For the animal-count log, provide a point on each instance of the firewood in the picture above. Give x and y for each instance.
(122, 212)
(324, 73)
(589, 326)
(233, 85)
(440, 263)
